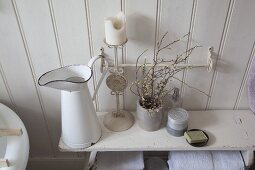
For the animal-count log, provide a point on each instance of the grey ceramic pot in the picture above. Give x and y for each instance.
(149, 121)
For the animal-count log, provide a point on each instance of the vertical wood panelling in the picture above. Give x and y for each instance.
(71, 24)
(204, 33)
(15, 62)
(243, 103)
(32, 69)
(54, 24)
(189, 42)
(5, 95)
(232, 64)
(72, 30)
(176, 23)
(98, 11)
(91, 50)
(222, 45)
(43, 48)
(141, 24)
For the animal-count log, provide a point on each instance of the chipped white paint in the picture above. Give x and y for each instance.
(227, 130)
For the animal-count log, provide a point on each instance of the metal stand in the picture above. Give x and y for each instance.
(118, 120)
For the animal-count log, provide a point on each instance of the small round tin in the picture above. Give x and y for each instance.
(177, 122)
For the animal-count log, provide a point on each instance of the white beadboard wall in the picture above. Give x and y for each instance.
(39, 35)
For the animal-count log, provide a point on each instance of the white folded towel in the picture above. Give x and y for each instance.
(227, 160)
(205, 160)
(119, 161)
(190, 160)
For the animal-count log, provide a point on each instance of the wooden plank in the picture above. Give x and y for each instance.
(227, 130)
(175, 19)
(72, 30)
(243, 102)
(43, 49)
(139, 38)
(204, 33)
(4, 96)
(73, 41)
(10, 132)
(235, 56)
(98, 11)
(18, 71)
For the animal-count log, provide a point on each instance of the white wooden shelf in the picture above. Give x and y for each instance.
(227, 130)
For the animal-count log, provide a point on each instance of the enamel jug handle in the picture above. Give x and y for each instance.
(90, 64)
(93, 59)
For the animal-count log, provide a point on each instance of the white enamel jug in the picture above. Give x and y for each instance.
(80, 126)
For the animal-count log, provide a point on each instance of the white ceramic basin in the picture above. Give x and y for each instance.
(13, 148)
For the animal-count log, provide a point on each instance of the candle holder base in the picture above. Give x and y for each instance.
(116, 45)
(118, 122)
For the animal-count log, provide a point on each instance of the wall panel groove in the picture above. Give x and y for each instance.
(245, 78)
(191, 28)
(220, 51)
(141, 31)
(54, 25)
(206, 34)
(90, 35)
(7, 87)
(233, 61)
(109, 8)
(157, 25)
(32, 70)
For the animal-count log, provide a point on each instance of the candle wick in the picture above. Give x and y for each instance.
(117, 24)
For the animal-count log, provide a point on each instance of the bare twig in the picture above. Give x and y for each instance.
(151, 87)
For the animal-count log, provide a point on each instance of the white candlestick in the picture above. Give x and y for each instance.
(115, 29)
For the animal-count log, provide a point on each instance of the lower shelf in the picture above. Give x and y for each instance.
(227, 130)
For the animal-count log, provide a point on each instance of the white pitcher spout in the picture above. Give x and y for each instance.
(69, 78)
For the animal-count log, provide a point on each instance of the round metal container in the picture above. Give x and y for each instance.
(177, 122)
(176, 133)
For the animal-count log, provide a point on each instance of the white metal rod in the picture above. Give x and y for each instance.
(116, 62)
(209, 64)
(117, 104)
(10, 132)
(164, 65)
(100, 81)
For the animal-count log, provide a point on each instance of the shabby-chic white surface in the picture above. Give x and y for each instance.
(38, 36)
(227, 130)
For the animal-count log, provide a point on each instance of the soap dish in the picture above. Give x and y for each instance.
(200, 144)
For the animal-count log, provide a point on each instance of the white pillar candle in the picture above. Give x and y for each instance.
(115, 29)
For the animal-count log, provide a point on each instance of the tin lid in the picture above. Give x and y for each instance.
(178, 116)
